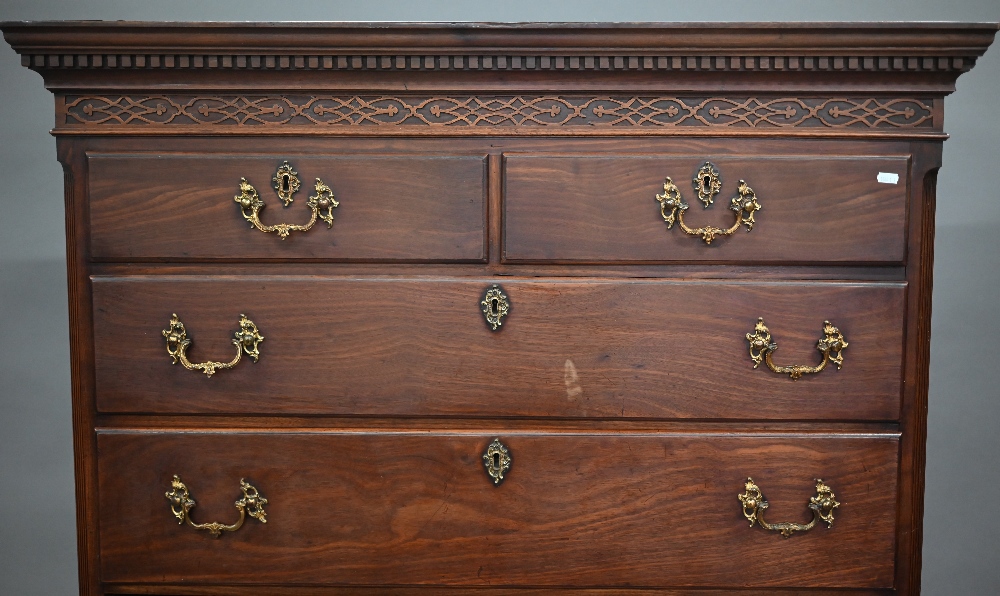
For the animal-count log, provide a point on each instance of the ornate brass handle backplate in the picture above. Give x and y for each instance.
(181, 504)
(761, 347)
(707, 184)
(247, 340)
(286, 184)
(822, 506)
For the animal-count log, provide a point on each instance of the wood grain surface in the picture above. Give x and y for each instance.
(576, 509)
(411, 347)
(392, 208)
(620, 380)
(173, 589)
(602, 208)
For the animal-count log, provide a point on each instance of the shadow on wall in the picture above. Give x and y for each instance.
(35, 431)
(964, 413)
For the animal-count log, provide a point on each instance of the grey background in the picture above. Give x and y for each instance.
(37, 526)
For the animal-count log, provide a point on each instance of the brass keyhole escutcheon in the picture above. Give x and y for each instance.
(495, 307)
(286, 183)
(707, 183)
(497, 461)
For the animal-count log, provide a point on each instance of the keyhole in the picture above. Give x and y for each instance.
(496, 460)
(706, 183)
(494, 308)
(284, 183)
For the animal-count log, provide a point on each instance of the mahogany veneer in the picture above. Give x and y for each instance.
(828, 208)
(594, 349)
(527, 156)
(411, 508)
(396, 208)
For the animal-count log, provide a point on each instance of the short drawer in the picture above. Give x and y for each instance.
(419, 508)
(600, 208)
(576, 349)
(403, 208)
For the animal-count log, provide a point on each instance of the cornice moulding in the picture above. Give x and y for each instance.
(950, 47)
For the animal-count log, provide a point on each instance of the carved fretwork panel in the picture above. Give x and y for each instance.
(495, 111)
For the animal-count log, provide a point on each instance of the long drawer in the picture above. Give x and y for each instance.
(418, 508)
(422, 207)
(603, 208)
(571, 349)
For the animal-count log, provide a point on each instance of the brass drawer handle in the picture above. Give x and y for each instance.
(181, 504)
(247, 340)
(497, 461)
(708, 184)
(495, 307)
(822, 506)
(831, 345)
(286, 183)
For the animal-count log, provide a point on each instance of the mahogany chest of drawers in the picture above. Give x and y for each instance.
(402, 308)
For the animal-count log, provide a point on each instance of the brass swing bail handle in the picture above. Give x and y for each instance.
(247, 339)
(831, 345)
(286, 184)
(754, 504)
(708, 184)
(181, 505)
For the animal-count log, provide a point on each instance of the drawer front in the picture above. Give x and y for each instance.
(574, 509)
(391, 208)
(407, 347)
(589, 208)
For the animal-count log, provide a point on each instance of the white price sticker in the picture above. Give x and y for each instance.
(887, 178)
